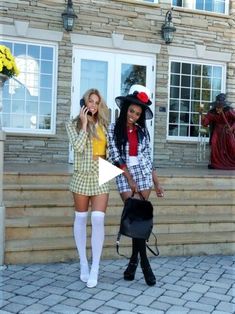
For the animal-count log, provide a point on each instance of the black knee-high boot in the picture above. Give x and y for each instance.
(129, 273)
(144, 262)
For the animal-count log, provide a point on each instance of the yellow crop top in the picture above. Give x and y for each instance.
(99, 145)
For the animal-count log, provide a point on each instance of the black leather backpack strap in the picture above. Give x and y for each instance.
(149, 248)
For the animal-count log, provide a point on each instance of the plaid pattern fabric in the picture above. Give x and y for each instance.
(142, 173)
(82, 148)
(85, 179)
(88, 183)
(143, 182)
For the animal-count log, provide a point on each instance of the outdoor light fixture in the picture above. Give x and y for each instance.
(168, 28)
(69, 16)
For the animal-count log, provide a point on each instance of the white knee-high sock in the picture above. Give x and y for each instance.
(80, 223)
(97, 240)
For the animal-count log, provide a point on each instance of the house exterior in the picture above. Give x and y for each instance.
(114, 44)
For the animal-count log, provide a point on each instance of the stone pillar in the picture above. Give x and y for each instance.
(3, 78)
(2, 207)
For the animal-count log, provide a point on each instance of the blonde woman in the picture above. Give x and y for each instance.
(88, 136)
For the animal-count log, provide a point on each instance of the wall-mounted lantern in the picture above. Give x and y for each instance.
(69, 17)
(168, 28)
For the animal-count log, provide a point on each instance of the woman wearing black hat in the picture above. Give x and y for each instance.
(129, 149)
(221, 119)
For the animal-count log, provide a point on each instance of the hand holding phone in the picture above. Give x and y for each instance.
(82, 104)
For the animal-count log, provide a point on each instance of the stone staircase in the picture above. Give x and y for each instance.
(196, 216)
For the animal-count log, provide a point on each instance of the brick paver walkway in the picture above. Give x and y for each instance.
(203, 284)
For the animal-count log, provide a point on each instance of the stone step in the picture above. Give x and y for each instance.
(48, 192)
(34, 178)
(46, 227)
(51, 249)
(16, 208)
(196, 216)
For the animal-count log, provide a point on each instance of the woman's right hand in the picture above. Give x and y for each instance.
(133, 185)
(83, 117)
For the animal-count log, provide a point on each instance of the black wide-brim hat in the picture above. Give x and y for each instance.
(220, 100)
(138, 95)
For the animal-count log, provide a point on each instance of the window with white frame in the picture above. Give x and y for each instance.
(29, 99)
(191, 85)
(217, 6)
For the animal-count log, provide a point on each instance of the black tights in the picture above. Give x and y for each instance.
(139, 246)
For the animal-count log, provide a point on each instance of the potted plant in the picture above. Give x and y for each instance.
(8, 67)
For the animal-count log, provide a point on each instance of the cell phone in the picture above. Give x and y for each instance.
(82, 104)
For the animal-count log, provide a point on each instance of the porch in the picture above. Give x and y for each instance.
(196, 216)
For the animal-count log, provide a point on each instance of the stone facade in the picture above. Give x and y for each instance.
(202, 33)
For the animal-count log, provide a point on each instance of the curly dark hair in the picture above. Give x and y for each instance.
(120, 128)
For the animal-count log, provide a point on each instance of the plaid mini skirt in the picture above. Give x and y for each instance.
(144, 182)
(87, 183)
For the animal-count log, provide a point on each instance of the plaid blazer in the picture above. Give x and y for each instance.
(144, 151)
(82, 147)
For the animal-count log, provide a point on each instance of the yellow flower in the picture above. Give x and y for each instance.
(7, 62)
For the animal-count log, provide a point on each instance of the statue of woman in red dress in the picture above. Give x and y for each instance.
(221, 120)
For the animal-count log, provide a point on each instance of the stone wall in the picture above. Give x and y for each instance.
(138, 22)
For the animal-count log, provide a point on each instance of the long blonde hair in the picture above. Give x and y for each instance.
(102, 114)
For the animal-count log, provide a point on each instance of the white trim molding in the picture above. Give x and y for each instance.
(201, 52)
(21, 28)
(117, 41)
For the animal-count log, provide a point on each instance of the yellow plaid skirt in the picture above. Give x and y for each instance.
(87, 183)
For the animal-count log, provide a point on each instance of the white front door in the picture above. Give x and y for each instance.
(112, 74)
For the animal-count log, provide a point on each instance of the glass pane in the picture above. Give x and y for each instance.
(44, 122)
(183, 130)
(196, 81)
(216, 84)
(207, 70)
(174, 92)
(17, 121)
(45, 80)
(185, 93)
(206, 82)
(34, 51)
(32, 107)
(173, 129)
(217, 72)
(219, 6)
(185, 80)
(184, 118)
(177, 3)
(195, 106)
(46, 67)
(174, 104)
(206, 95)
(184, 106)
(47, 53)
(18, 106)
(195, 94)
(19, 49)
(196, 69)
(200, 4)
(45, 108)
(186, 68)
(175, 67)
(175, 80)
(46, 94)
(132, 74)
(208, 5)
(94, 74)
(174, 117)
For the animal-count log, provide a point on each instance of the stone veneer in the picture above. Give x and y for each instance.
(138, 22)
